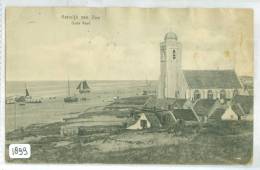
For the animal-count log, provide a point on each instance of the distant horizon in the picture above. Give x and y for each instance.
(101, 80)
(76, 80)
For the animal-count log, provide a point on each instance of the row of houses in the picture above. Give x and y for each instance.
(164, 112)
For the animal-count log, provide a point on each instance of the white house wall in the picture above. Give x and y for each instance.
(183, 86)
(229, 115)
(204, 93)
(137, 125)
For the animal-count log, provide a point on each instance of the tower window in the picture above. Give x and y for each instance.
(174, 54)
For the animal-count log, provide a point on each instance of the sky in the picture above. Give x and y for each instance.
(122, 43)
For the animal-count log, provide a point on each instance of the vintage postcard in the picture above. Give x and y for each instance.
(129, 85)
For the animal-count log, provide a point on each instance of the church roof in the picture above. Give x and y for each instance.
(210, 79)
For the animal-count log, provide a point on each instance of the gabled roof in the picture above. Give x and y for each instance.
(152, 118)
(159, 103)
(203, 106)
(180, 103)
(238, 109)
(245, 102)
(166, 117)
(216, 115)
(210, 79)
(130, 121)
(184, 114)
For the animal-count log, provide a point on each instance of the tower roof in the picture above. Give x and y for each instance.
(170, 36)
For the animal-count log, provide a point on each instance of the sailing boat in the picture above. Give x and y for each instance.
(26, 92)
(69, 98)
(30, 99)
(83, 89)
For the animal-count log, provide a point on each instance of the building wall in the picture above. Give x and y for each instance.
(248, 117)
(229, 115)
(137, 125)
(189, 94)
(170, 68)
(172, 80)
(162, 82)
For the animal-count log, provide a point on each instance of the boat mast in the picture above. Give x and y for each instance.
(26, 90)
(68, 87)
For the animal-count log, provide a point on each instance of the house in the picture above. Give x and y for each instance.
(161, 118)
(204, 107)
(143, 121)
(170, 117)
(166, 118)
(216, 115)
(245, 102)
(238, 109)
(223, 113)
(229, 114)
(188, 115)
(175, 82)
(182, 104)
(243, 106)
(248, 84)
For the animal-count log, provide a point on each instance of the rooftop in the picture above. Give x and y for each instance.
(209, 79)
(170, 36)
(184, 114)
(203, 106)
(246, 102)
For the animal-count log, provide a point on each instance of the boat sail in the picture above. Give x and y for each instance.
(83, 88)
(69, 98)
(26, 92)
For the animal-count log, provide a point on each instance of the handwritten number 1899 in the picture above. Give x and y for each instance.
(19, 151)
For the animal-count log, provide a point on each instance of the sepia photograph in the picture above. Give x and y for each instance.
(129, 85)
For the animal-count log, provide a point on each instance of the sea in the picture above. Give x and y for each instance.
(53, 108)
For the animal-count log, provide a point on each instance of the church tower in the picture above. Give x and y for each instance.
(170, 78)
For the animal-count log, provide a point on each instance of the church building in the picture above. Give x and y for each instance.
(192, 84)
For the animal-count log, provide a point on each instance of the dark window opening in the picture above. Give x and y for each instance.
(173, 54)
(144, 124)
(222, 94)
(235, 92)
(197, 95)
(210, 94)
